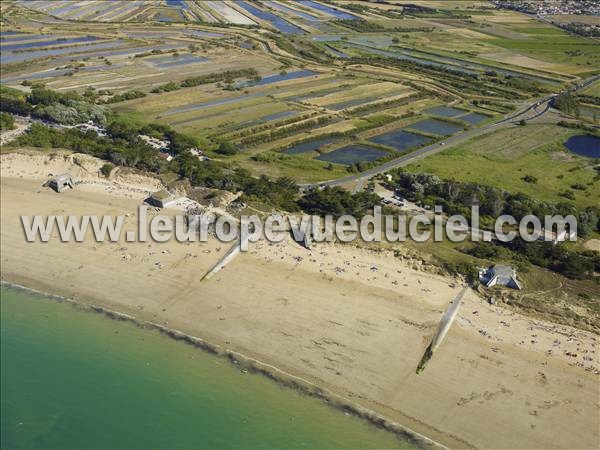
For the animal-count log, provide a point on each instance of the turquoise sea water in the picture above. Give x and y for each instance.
(75, 379)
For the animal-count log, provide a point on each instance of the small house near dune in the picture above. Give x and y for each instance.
(61, 182)
(162, 199)
(500, 275)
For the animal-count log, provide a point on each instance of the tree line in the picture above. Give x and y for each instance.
(458, 197)
(67, 109)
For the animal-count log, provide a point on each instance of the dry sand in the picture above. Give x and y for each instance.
(351, 321)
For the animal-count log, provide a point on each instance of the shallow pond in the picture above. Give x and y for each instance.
(373, 40)
(177, 4)
(434, 126)
(279, 115)
(58, 73)
(353, 154)
(161, 17)
(328, 10)
(473, 118)
(28, 56)
(116, 52)
(291, 11)
(401, 140)
(445, 111)
(16, 37)
(310, 146)
(58, 41)
(277, 78)
(584, 145)
(165, 62)
(318, 94)
(282, 25)
(9, 33)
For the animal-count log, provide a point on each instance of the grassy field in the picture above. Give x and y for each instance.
(366, 90)
(580, 18)
(506, 37)
(503, 158)
(593, 89)
(302, 169)
(581, 55)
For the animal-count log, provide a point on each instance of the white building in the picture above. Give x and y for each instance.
(499, 275)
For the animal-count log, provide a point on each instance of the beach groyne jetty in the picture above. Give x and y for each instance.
(226, 259)
(443, 327)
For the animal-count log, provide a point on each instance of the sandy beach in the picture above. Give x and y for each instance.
(350, 320)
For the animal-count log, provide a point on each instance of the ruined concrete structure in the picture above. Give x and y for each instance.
(61, 182)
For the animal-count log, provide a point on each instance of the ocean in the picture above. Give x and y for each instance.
(73, 379)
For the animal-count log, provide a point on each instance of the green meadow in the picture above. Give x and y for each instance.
(503, 158)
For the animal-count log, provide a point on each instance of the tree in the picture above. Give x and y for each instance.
(588, 222)
(15, 105)
(575, 266)
(7, 122)
(180, 142)
(106, 169)
(41, 96)
(226, 148)
(337, 201)
(119, 129)
(567, 103)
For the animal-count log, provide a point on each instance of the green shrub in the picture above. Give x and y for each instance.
(106, 169)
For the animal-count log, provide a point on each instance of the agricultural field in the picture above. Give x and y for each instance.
(381, 80)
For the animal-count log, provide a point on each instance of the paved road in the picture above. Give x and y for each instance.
(526, 113)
